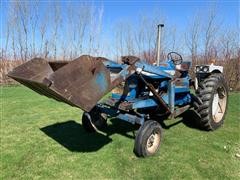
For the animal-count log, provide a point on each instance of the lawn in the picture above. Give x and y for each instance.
(44, 139)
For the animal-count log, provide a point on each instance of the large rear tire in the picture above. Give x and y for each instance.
(213, 93)
(148, 139)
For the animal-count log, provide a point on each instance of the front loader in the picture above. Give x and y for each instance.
(149, 92)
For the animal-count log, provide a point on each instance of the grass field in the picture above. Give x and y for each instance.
(44, 139)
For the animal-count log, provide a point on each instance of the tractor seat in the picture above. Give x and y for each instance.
(184, 66)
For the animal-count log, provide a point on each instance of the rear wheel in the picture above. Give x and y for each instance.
(94, 120)
(148, 139)
(213, 93)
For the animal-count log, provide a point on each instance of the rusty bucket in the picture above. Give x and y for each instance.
(80, 83)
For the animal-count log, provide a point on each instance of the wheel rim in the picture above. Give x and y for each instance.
(153, 142)
(219, 104)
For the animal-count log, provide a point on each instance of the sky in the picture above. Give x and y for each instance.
(177, 13)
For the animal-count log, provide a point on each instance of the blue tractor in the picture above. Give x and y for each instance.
(152, 93)
(141, 93)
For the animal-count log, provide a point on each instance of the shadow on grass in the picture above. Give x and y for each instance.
(121, 127)
(189, 119)
(72, 135)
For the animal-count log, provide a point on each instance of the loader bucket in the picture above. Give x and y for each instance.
(80, 83)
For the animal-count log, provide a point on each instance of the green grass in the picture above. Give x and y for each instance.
(44, 139)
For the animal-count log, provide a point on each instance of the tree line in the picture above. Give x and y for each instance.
(64, 33)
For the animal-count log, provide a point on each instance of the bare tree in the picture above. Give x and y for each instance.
(56, 18)
(34, 18)
(42, 30)
(210, 28)
(139, 35)
(129, 43)
(95, 30)
(192, 37)
(5, 49)
(22, 10)
(119, 39)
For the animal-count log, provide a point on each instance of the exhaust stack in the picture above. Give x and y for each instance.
(160, 26)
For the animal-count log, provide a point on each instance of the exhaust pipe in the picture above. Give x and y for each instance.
(160, 26)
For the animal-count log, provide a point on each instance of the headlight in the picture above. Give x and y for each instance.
(197, 69)
(205, 69)
(202, 69)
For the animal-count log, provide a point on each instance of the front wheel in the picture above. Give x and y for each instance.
(148, 139)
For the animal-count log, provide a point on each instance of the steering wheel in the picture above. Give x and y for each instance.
(175, 57)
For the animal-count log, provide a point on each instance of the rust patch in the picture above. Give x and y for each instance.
(163, 65)
(55, 65)
(130, 59)
(179, 82)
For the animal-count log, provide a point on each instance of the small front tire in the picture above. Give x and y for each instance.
(148, 139)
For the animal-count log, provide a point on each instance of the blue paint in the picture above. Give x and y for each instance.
(171, 95)
(139, 96)
(130, 90)
(184, 87)
(181, 89)
(144, 103)
(183, 99)
(112, 65)
(157, 71)
(163, 85)
(101, 81)
(131, 118)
